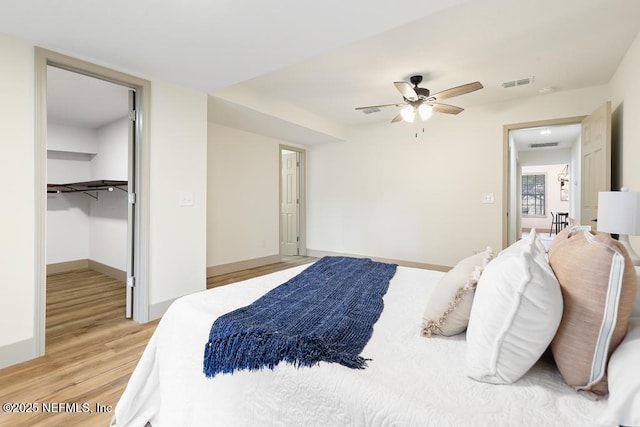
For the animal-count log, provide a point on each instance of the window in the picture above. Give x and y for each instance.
(533, 195)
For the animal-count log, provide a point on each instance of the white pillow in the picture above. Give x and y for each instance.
(516, 312)
(528, 243)
(623, 407)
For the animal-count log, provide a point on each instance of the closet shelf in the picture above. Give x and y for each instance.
(99, 185)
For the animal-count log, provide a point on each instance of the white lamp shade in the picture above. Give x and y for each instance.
(619, 212)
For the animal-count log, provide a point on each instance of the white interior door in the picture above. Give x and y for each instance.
(131, 213)
(289, 203)
(596, 161)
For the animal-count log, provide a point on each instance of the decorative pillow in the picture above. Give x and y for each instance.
(448, 307)
(515, 314)
(623, 407)
(598, 284)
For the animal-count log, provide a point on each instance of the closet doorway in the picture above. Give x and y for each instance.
(90, 147)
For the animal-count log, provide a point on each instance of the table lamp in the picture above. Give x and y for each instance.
(619, 213)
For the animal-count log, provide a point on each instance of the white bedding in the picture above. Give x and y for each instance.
(410, 381)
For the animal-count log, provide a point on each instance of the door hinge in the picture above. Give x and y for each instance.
(131, 282)
(132, 115)
(132, 198)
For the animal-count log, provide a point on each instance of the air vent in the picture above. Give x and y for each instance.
(370, 110)
(544, 144)
(517, 82)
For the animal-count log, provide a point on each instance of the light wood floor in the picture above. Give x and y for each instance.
(91, 349)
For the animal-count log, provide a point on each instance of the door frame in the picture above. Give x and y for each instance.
(302, 225)
(44, 58)
(508, 217)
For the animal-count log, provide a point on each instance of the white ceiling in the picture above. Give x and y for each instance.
(329, 57)
(564, 135)
(77, 100)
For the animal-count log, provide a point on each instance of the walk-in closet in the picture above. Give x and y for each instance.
(87, 202)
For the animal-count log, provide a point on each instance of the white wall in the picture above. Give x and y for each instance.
(64, 167)
(178, 165)
(68, 214)
(71, 139)
(624, 92)
(112, 158)
(68, 233)
(78, 226)
(544, 157)
(243, 196)
(108, 214)
(386, 193)
(17, 219)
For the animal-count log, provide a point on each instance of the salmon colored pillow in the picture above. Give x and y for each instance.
(598, 283)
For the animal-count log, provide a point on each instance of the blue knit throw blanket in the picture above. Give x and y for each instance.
(326, 313)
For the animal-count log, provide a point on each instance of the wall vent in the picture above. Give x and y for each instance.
(517, 82)
(544, 144)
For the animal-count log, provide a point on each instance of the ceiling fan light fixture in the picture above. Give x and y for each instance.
(425, 111)
(408, 113)
(418, 100)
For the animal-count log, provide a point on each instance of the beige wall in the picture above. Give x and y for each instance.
(178, 234)
(243, 196)
(387, 194)
(17, 241)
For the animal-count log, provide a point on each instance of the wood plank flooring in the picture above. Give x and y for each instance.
(91, 350)
(287, 262)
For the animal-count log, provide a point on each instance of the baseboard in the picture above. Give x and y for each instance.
(217, 270)
(403, 263)
(157, 310)
(107, 270)
(63, 267)
(17, 352)
(83, 264)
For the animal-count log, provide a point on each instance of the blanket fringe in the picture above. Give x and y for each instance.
(258, 349)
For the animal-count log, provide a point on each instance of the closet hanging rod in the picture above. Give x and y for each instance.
(99, 185)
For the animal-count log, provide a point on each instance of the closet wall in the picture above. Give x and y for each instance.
(79, 227)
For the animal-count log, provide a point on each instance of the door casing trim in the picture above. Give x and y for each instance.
(44, 58)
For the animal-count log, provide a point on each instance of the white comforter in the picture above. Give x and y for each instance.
(410, 381)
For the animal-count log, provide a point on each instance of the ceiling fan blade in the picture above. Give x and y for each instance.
(397, 118)
(406, 90)
(380, 106)
(446, 108)
(456, 91)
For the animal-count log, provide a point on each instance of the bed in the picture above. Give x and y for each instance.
(410, 380)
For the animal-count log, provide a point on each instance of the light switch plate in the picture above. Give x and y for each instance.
(185, 198)
(488, 198)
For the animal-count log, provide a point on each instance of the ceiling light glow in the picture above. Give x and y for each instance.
(408, 113)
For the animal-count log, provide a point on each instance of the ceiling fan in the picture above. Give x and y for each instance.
(420, 101)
